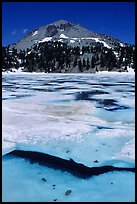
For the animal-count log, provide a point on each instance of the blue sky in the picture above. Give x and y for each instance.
(113, 18)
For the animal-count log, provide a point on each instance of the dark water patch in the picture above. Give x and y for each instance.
(107, 102)
(112, 84)
(51, 89)
(7, 85)
(131, 91)
(10, 87)
(77, 169)
(117, 108)
(25, 84)
(87, 95)
(125, 91)
(62, 81)
(99, 84)
(61, 101)
(98, 92)
(103, 127)
(16, 97)
(66, 81)
(65, 88)
(129, 82)
(106, 84)
(48, 84)
(94, 84)
(132, 85)
(110, 105)
(41, 89)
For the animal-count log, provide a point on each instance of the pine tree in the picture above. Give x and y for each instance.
(97, 57)
(84, 63)
(80, 65)
(92, 62)
(75, 62)
(88, 65)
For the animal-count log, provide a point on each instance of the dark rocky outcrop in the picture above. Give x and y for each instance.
(43, 179)
(68, 192)
(51, 30)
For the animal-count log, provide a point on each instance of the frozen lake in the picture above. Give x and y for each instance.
(89, 118)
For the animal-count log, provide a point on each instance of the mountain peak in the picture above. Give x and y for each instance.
(100, 51)
(61, 21)
(64, 31)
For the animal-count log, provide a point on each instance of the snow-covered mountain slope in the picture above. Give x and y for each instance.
(64, 31)
(64, 47)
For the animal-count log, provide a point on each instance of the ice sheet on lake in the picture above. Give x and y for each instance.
(50, 115)
(60, 114)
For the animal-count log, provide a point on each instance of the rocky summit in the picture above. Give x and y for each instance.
(65, 47)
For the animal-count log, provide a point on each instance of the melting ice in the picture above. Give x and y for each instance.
(87, 117)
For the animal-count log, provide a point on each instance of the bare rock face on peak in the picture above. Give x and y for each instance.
(62, 24)
(51, 30)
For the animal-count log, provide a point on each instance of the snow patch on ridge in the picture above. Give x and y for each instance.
(63, 36)
(72, 41)
(60, 40)
(105, 44)
(121, 44)
(35, 33)
(45, 39)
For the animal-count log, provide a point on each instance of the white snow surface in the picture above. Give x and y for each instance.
(44, 113)
(19, 60)
(46, 39)
(63, 36)
(98, 40)
(28, 52)
(72, 41)
(130, 70)
(35, 33)
(121, 44)
(60, 40)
